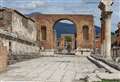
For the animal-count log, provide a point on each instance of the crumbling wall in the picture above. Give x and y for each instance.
(5, 42)
(5, 20)
(23, 27)
(18, 34)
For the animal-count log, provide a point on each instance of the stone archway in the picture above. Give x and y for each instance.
(62, 35)
(49, 20)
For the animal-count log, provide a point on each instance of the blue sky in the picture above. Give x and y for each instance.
(64, 7)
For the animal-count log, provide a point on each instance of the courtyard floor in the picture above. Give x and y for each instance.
(49, 69)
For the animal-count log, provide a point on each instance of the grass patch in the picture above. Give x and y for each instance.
(110, 80)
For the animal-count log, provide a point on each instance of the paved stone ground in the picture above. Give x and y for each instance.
(49, 69)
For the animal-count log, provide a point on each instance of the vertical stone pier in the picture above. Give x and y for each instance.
(106, 13)
(3, 58)
(108, 35)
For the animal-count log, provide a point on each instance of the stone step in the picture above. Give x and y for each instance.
(107, 67)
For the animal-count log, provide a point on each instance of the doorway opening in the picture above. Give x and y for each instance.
(65, 32)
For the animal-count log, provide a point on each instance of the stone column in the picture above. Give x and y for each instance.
(105, 6)
(108, 35)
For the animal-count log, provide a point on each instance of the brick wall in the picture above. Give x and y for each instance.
(50, 20)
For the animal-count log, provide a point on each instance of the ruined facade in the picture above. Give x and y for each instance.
(84, 29)
(17, 32)
(117, 33)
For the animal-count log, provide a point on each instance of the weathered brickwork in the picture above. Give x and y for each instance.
(62, 42)
(3, 57)
(5, 19)
(98, 43)
(79, 20)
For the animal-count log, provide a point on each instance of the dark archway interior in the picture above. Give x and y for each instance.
(65, 29)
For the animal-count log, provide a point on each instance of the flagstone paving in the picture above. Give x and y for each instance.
(49, 69)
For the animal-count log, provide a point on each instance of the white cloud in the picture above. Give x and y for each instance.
(66, 21)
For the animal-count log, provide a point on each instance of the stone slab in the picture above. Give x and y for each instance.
(107, 76)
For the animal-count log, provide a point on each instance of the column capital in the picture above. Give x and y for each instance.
(105, 5)
(101, 6)
(105, 15)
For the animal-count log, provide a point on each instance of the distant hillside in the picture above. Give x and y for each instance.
(33, 14)
(97, 30)
(64, 28)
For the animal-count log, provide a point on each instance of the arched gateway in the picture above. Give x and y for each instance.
(46, 34)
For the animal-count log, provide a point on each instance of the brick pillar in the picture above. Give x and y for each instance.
(3, 58)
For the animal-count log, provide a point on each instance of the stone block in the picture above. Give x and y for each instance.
(108, 76)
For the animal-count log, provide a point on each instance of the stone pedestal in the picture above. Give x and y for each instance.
(3, 58)
(83, 52)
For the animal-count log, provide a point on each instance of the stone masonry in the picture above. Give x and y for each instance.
(17, 32)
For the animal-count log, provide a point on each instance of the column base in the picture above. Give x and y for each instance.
(83, 52)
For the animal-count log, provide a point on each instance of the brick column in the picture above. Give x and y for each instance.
(3, 58)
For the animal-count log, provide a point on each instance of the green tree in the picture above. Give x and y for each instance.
(68, 38)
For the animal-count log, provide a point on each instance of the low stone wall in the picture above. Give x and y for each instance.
(20, 48)
(22, 52)
(83, 52)
(3, 58)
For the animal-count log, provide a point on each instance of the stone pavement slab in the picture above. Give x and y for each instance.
(49, 69)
